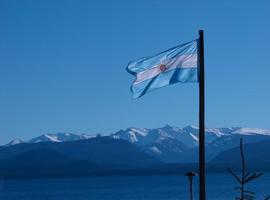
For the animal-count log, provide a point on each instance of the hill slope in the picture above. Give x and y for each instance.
(104, 152)
(256, 156)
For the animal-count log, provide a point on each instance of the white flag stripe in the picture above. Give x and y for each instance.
(183, 61)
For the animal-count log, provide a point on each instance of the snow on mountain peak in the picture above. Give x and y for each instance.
(187, 135)
(14, 142)
(52, 137)
(133, 135)
(59, 137)
(142, 132)
(154, 149)
(195, 138)
(252, 131)
(192, 127)
(85, 136)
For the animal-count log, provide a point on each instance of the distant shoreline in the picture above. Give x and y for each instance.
(161, 170)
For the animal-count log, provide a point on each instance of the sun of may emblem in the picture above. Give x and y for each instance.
(162, 67)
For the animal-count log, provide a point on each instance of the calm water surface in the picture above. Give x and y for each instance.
(219, 186)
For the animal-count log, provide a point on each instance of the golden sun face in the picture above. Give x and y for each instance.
(162, 67)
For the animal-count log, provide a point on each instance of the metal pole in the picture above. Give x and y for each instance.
(201, 119)
(190, 176)
(191, 188)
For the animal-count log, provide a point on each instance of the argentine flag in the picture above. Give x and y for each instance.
(178, 64)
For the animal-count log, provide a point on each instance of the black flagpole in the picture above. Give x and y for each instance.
(201, 119)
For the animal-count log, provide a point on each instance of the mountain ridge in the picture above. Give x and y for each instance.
(168, 143)
(134, 151)
(134, 132)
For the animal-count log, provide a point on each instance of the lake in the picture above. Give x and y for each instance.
(219, 186)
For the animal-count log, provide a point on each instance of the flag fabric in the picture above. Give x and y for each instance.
(178, 64)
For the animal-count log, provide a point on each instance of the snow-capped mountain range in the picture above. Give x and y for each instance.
(173, 144)
(169, 143)
(53, 137)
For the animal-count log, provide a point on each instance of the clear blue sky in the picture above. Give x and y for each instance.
(63, 64)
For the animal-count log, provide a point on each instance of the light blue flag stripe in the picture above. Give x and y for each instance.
(178, 64)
